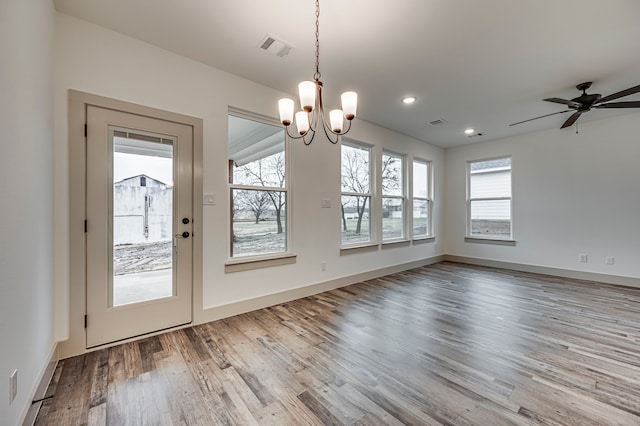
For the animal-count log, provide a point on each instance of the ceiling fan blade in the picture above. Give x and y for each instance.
(564, 102)
(635, 104)
(627, 92)
(542, 116)
(572, 119)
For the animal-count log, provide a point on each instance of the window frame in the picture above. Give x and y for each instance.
(403, 197)
(480, 238)
(254, 261)
(428, 198)
(371, 194)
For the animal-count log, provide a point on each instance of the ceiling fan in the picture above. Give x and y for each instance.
(585, 102)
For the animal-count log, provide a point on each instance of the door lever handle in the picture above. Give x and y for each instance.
(185, 234)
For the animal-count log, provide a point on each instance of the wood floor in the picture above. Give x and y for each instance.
(445, 344)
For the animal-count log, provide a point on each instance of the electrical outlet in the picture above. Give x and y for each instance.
(323, 266)
(610, 260)
(583, 258)
(13, 386)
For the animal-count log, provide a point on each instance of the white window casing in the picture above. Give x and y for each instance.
(489, 199)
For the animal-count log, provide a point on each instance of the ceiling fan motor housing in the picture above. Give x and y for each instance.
(586, 100)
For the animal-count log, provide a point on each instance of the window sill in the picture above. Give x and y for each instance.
(358, 248)
(396, 243)
(497, 241)
(423, 240)
(250, 263)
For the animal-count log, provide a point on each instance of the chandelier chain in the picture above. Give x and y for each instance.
(317, 74)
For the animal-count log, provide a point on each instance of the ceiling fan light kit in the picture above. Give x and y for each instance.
(585, 102)
(312, 115)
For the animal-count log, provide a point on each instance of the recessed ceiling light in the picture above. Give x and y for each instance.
(469, 131)
(408, 100)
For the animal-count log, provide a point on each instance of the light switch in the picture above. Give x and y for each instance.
(326, 204)
(208, 199)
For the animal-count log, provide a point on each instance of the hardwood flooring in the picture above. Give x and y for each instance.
(445, 344)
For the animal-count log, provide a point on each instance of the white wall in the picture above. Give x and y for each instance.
(89, 58)
(26, 120)
(572, 194)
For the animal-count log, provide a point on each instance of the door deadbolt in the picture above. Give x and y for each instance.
(185, 220)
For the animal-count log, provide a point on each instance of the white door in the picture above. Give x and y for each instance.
(139, 225)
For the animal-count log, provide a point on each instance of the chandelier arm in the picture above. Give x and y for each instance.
(320, 117)
(313, 135)
(348, 127)
(294, 136)
(329, 133)
(325, 123)
(343, 132)
(313, 118)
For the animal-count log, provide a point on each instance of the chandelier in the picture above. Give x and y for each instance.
(312, 115)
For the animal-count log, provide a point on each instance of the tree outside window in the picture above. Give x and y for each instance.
(258, 187)
(356, 193)
(393, 196)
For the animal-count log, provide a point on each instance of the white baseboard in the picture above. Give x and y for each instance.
(248, 305)
(558, 272)
(44, 378)
(225, 311)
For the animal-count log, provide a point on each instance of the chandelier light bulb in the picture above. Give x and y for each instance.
(349, 104)
(286, 107)
(302, 122)
(307, 90)
(336, 118)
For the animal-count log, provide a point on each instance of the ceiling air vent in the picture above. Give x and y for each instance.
(437, 123)
(275, 46)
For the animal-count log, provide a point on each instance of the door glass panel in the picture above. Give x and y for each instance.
(142, 217)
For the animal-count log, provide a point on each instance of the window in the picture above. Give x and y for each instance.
(392, 196)
(421, 199)
(489, 199)
(356, 193)
(258, 187)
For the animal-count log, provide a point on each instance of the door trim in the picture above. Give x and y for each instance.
(78, 102)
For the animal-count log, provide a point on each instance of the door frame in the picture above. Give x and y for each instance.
(77, 157)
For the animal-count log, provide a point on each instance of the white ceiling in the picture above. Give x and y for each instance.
(481, 64)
